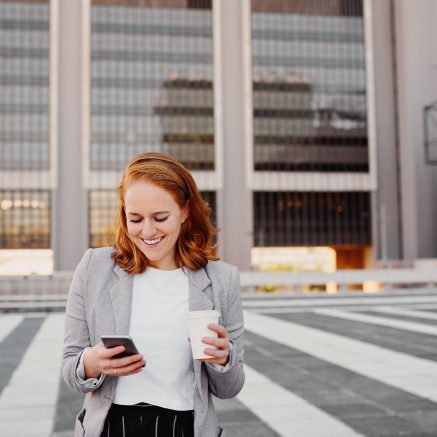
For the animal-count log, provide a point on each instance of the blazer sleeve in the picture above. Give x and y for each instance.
(228, 383)
(77, 336)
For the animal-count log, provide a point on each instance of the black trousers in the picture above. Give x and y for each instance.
(144, 420)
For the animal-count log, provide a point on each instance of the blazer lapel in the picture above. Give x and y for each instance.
(121, 299)
(198, 282)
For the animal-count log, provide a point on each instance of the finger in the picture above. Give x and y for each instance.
(125, 361)
(110, 352)
(221, 331)
(133, 373)
(216, 353)
(127, 370)
(219, 342)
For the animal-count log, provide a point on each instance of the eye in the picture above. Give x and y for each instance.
(162, 219)
(135, 221)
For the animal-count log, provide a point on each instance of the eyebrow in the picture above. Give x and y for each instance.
(154, 213)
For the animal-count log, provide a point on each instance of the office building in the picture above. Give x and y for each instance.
(301, 121)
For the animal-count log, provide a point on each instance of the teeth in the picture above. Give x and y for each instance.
(152, 241)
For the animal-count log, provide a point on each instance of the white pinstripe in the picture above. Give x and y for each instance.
(109, 426)
(174, 423)
(156, 427)
(122, 419)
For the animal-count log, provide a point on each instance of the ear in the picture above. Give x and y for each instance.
(185, 212)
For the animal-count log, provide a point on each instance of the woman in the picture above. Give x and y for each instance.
(162, 265)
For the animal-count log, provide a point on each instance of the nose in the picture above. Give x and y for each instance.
(149, 229)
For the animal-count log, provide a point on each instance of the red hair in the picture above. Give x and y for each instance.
(193, 246)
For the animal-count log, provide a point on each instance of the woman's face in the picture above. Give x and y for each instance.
(154, 222)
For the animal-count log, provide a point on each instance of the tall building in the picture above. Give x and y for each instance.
(26, 138)
(301, 121)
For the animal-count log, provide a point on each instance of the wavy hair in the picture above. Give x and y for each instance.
(193, 246)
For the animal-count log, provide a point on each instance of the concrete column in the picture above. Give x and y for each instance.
(69, 237)
(387, 149)
(417, 85)
(234, 201)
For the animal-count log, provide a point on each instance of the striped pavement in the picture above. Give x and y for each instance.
(323, 366)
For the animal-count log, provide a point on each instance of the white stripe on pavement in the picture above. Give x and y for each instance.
(28, 402)
(288, 414)
(381, 321)
(406, 312)
(337, 301)
(414, 375)
(8, 324)
(420, 306)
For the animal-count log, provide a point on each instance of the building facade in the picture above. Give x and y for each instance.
(301, 122)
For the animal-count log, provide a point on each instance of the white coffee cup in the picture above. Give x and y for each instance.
(198, 328)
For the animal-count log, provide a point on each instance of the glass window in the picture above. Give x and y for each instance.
(24, 219)
(102, 216)
(309, 86)
(151, 82)
(24, 85)
(312, 218)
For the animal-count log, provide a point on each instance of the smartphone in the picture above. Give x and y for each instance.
(120, 340)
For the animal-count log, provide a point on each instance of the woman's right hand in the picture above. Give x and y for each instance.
(99, 360)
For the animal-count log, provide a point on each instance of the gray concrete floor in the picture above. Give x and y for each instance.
(313, 370)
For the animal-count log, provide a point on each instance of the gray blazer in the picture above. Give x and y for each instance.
(100, 301)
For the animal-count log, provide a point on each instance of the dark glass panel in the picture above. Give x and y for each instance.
(312, 218)
(199, 4)
(310, 7)
(190, 4)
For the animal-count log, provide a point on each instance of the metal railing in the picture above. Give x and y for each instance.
(35, 292)
(343, 278)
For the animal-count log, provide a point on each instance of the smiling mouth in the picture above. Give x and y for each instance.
(153, 242)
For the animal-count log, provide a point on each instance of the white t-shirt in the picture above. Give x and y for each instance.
(159, 330)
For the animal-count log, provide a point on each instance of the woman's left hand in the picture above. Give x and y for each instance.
(221, 355)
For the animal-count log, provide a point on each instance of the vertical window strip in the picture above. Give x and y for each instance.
(24, 86)
(161, 89)
(317, 70)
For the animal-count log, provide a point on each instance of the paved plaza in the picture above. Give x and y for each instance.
(316, 366)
